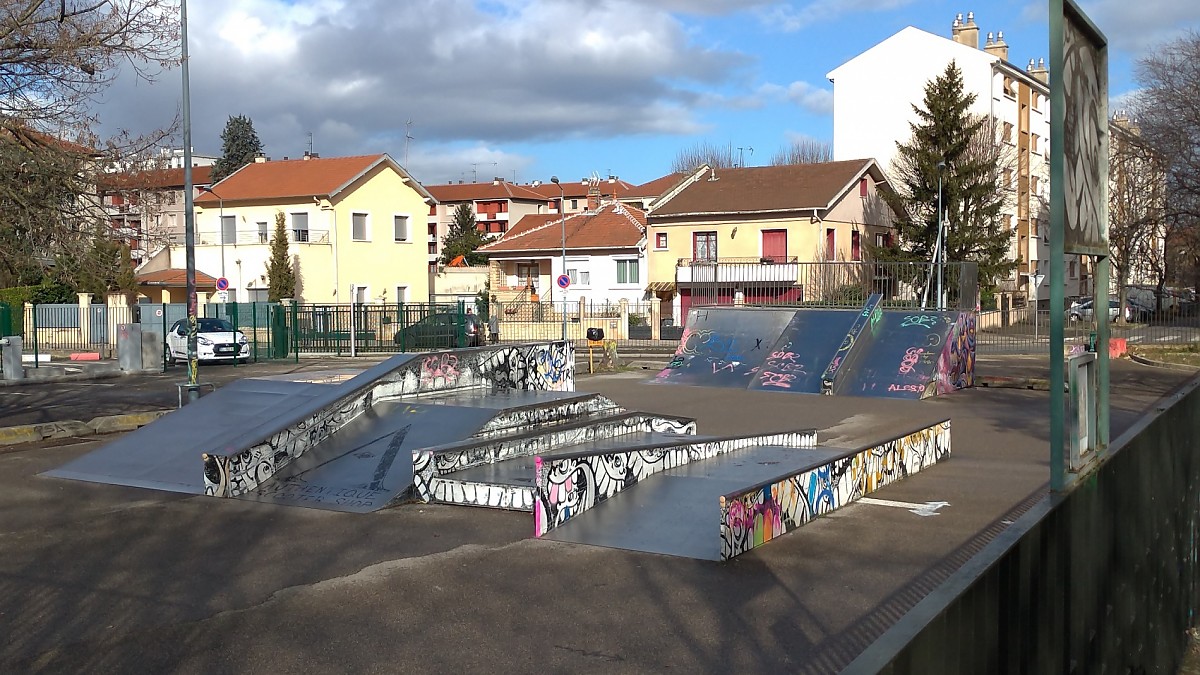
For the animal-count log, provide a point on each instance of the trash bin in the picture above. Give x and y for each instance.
(1091, 344)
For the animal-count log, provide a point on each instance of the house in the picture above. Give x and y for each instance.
(874, 94)
(577, 195)
(146, 208)
(349, 223)
(604, 257)
(496, 205)
(741, 234)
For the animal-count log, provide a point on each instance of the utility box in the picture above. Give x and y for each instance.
(152, 350)
(129, 347)
(10, 352)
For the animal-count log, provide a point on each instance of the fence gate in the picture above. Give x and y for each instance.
(99, 324)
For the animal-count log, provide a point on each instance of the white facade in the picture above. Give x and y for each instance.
(603, 277)
(874, 95)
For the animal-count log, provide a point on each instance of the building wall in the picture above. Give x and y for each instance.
(600, 283)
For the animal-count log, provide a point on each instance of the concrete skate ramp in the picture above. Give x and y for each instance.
(725, 346)
(675, 512)
(897, 356)
(367, 464)
(166, 454)
(797, 360)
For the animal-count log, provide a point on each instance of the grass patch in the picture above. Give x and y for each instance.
(1187, 355)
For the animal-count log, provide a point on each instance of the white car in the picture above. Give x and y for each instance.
(216, 340)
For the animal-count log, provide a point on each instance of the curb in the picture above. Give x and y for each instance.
(1004, 382)
(31, 433)
(1161, 364)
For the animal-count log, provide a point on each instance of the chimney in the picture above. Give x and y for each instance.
(311, 155)
(1040, 71)
(497, 180)
(261, 159)
(997, 48)
(965, 33)
(593, 199)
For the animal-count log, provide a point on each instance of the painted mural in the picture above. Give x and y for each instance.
(543, 415)
(956, 364)
(569, 485)
(433, 465)
(754, 517)
(548, 366)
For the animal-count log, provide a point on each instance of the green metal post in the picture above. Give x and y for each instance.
(36, 360)
(1102, 351)
(233, 320)
(254, 319)
(460, 325)
(163, 312)
(1058, 222)
(295, 337)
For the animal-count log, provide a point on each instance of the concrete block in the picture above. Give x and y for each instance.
(85, 356)
(109, 424)
(25, 433)
(66, 429)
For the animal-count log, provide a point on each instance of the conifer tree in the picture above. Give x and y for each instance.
(977, 172)
(281, 278)
(463, 238)
(239, 146)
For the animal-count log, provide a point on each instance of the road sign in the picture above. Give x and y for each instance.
(222, 296)
(222, 284)
(563, 281)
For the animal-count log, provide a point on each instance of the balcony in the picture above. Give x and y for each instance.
(776, 269)
(252, 237)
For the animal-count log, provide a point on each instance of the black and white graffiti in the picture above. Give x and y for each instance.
(569, 485)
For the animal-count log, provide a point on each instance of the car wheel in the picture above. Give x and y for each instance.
(1075, 317)
(169, 355)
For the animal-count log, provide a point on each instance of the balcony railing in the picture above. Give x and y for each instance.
(252, 237)
(781, 269)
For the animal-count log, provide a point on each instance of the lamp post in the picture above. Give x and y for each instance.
(189, 214)
(221, 220)
(562, 217)
(941, 244)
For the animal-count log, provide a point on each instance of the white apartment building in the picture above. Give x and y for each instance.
(873, 96)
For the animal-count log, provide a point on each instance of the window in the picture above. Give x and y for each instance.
(358, 226)
(259, 294)
(1009, 87)
(1033, 142)
(862, 187)
(433, 229)
(1071, 269)
(574, 275)
(585, 278)
(1036, 98)
(1006, 135)
(704, 246)
(774, 245)
(264, 234)
(881, 239)
(228, 229)
(660, 240)
(1008, 179)
(527, 274)
(402, 294)
(432, 247)
(359, 295)
(574, 204)
(1033, 184)
(400, 228)
(855, 246)
(830, 243)
(300, 226)
(627, 271)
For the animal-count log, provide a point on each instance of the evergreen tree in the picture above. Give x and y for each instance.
(974, 169)
(239, 146)
(463, 238)
(281, 278)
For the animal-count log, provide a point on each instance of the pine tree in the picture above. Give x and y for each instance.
(973, 163)
(281, 278)
(239, 146)
(463, 238)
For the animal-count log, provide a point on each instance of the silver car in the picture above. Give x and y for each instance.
(216, 340)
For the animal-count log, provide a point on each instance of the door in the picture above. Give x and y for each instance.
(527, 274)
(774, 245)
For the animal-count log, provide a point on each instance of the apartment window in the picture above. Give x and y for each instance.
(1036, 99)
(1033, 142)
(264, 233)
(1071, 269)
(627, 271)
(862, 187)
(660, 240)
(1033, 185)
(400, 228)
(574, 204)
(358, 226)
(1008, 179)
(830, 243)
(1009, 87)
(228, 229)
(704, 246)
(855, 246)
(585, 278)
(432, 247)
(402, 294)
(259, 294)
(1007, 133)
(574, 275)
(300, 226)
(433, 229)
(881, 239)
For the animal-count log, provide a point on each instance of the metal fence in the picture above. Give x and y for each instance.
(59, 330)
(629, 323)
(344, 329)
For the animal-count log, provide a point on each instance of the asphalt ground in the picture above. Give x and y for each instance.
(114, 579)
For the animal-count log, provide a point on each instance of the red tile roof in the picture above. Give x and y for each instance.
(174, 278)
(767, 189)
(465, 192)
(579, 189)
(299, 178)
(614, 225)
(658, 186)
(156, 179)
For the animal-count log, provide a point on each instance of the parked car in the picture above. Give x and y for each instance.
(438, 331)
(216, 340)
(1134, 312)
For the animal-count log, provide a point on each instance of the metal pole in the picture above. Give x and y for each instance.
(221, 217)
(941, 247)
(1058, 219)
(189, 214)
(562, 217)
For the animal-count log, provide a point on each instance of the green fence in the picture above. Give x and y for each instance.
(343, 329)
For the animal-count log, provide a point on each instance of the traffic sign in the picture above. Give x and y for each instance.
(222, 284)
(563, 281)
(222, 297)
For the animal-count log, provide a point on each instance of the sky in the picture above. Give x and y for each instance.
(468, 90)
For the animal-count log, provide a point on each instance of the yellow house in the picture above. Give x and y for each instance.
(743, 234)
(354, 228)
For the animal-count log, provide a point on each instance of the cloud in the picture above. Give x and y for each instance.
(790, 19)
(810, 97)
(1134, 27)
(495, 71)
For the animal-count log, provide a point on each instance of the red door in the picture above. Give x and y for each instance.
(774, 245)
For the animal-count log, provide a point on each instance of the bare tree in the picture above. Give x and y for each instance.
(1135, 208)
(55, 57)
(690, 158)
(1168, 111)
(803, 151)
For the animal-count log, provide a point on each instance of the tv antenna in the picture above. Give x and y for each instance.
(741, 156)
(407, 139)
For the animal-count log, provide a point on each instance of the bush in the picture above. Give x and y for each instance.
(638, 320)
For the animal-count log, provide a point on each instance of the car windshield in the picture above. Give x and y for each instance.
(213, 326)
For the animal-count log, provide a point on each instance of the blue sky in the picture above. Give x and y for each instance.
(526, 89)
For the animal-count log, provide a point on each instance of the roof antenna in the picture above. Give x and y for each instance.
(407, 138)
(310, 143)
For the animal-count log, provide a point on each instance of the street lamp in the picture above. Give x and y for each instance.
(562, 216)
(189, 214)
(220, 220)
(941, 245)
